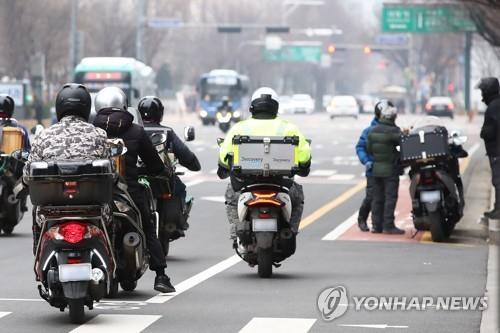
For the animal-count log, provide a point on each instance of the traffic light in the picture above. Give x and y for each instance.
(278, 30)
(367, 50)
(229, 29)
(331, 49)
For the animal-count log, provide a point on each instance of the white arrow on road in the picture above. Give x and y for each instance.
(383, 326)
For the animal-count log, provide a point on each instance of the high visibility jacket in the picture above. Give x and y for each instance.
(265, 127)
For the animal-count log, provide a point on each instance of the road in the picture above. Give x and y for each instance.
(219, 293)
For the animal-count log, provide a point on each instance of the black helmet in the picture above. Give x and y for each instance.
(73, 99)
(264, 101)
(151, 109)
(6, 106)
(489, 86)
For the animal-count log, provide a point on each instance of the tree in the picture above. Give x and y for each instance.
(485, 14)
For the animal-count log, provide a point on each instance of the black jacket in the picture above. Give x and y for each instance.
(381, 144)
(491, 126)
(186, 157)
(119, 124)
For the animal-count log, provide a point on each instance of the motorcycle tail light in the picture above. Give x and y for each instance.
(264, 202)
(75, 260)
(70, 187)
(74, 232)
(428, 178)
(265, 215)
(264, 194)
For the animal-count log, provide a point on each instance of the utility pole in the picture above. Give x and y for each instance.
(467, 51)
(73, 39)
(141, 22)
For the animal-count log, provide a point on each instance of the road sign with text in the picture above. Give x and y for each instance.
(294, 53)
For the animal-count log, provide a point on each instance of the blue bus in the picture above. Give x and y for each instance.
(214, 86)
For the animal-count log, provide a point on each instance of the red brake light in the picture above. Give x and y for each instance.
(451, 106)
(263, 202)
(264, 194)
(70, 188)
(73, 232)
(428, 106)
(265, 215)
(74, 260)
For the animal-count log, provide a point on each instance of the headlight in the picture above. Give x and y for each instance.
(237, 114)
(203, 113)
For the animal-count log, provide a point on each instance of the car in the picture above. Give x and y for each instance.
(284, 106)
(343, 106)
(366, 103)
(301, 103)
(440, 106)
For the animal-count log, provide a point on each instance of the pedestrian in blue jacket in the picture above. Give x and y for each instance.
(367, 160)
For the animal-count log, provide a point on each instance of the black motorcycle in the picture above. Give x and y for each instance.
(90, 237)
(436, 188)
(171, 212)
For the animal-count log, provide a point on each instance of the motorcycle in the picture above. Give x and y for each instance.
(436, 188)
(12, 160)
(264, 233)
(224, 117)
(90, 238)
(171, 212)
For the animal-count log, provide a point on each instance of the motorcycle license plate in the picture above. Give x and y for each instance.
(265, 225)
(75, 272)
(430, 196)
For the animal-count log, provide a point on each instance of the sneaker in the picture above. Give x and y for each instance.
(163, 285)
(393, 231)
(376, 231)
(493, 215)
(363, 226)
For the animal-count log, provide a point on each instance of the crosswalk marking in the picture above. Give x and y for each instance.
(3, 314)
(111, 323)
(342, 177)
(278, 325)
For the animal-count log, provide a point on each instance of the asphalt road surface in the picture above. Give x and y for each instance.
(219, 293)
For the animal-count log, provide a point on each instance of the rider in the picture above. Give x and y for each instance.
(151, 110)
(264, 121)
(112, 115)
(225, 105)
(71, 138)
(7, 107)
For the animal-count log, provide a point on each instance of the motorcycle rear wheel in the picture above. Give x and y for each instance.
(438, 229)
(76, 311)
(128, 285)
(265, 262)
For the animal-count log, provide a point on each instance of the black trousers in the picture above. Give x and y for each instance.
(495, 179)
(385, 197)
(157, 260)
(366, 205)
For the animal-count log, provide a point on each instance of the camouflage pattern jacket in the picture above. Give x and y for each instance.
(71, 138)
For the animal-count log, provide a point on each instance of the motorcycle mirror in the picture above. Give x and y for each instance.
(220, 141)
(158, 139)
(189, 133)
(36, 130)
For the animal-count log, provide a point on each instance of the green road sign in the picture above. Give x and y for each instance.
(294, 53)
(425, 19)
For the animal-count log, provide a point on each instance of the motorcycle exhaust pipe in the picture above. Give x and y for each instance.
(131, 249)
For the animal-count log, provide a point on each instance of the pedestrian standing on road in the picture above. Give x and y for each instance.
(367, 160)
(490, 91)
(381, 144)
(38, 106)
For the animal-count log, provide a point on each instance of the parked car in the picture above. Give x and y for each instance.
(343, 106)
(301, 103)
(441, 106)
(284, 104)
(366, 103)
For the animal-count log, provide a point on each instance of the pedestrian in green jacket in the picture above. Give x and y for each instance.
(381, 144)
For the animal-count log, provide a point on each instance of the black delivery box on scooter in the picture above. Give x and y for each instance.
(428, 142)
(61, 183)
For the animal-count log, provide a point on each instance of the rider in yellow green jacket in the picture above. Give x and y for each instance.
(264, 122)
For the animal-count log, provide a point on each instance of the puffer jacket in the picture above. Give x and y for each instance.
(381, 144)
(491, 126)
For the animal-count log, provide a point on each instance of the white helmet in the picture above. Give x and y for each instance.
(110, 98)
(386, 109)
(265, 100)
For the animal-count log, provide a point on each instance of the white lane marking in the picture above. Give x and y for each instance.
(474, 149)
(215, 199)
(278, 325)
(374, 326)
(3, 314)
(196, 279)
(322, 173)
(200, 149)
(342, 177)
(21, 300)
(194, 182)
(111, 323)
(341, 228)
